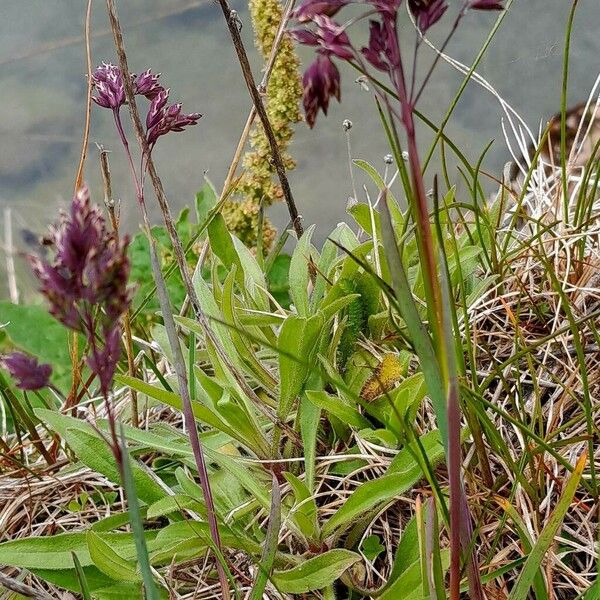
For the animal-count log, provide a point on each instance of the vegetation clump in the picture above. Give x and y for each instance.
(407, 411)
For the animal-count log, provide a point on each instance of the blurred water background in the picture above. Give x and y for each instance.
(42, 100)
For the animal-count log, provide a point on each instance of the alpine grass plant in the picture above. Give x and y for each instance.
(418, 422)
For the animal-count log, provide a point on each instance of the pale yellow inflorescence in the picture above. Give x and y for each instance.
(284, 91)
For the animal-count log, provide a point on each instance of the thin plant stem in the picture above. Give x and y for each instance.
(88, 103)
(459, 514)
(232, 19)
(563, 113)
(262, 86)
(110, 206)
(163, 297)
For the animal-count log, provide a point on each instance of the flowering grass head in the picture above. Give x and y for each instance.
(331, 40)
(84, 279)
(28, 373)
(161, 117)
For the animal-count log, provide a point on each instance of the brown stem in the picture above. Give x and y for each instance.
(234, 29)
(88, 105)
(263, 86)
(189, 418)
(110, 206)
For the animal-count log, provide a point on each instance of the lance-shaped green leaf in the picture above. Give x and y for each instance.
(94, 453)
(402, 475)
(297, 340)
(315, 573)
(299, 274)
(109, 561)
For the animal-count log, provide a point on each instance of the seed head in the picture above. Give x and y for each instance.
(26, 371)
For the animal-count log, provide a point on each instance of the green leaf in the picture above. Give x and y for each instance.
(315, 573)
(54, 552)
(402, 475)
(254, 282)
(406, 399)
(338, 408)
(202, 413)
(108, 561)
(270, 544)
(372, 547)
(309, 417)
(172, 504)
(221, 243)
(135, 519)
(418, 333)
(304, 513)
(409, 586)
(96, 580)
(81, 576)
(93, 452)
(299, 275)
(206, 200)
(297, 338)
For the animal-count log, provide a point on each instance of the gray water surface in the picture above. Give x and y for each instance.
(42, 99)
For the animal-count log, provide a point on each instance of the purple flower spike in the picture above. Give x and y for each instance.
(486, 5)
(85, 281)
(108, 83)
(321, 81)
(28, 373)
(375, 52)
(146, 84)
(382, 51)
(427, 12)
(103, 361)
(387, 8)
(333, 38)
(162, 119)
(309, 9)
(305, 37)
(157, 108)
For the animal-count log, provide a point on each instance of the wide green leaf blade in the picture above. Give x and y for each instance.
(109, 561)
(402, 475)
(297, 340)
(299, 276)
(315, 573)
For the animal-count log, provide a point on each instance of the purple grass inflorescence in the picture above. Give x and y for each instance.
(26, 371)
(318, 29)
(85, 282)
(161, 118)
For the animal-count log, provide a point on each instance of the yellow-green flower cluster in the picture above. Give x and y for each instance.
(284, 91)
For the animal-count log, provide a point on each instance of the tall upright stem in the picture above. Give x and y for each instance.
(169, 322)
(459, 514)
(234, 29)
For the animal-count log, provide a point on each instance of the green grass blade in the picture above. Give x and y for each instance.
(534, 560)
(83, 583)
(270, 544)
(137, 526)
(419, 335)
